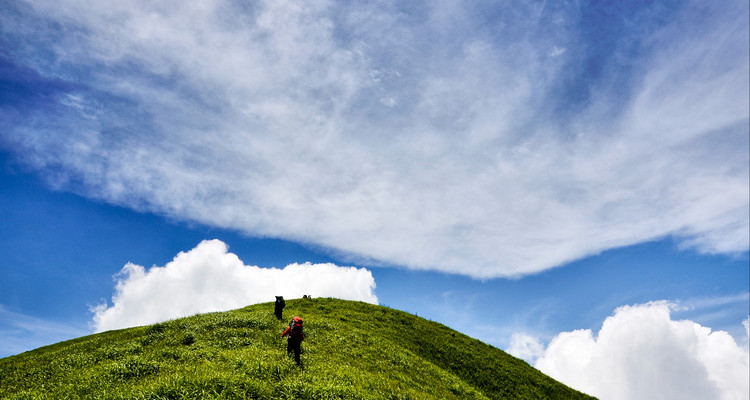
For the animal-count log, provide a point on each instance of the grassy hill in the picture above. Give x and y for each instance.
(353, 350)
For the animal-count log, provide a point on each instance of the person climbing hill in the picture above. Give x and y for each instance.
(295, 337)
(278, 307)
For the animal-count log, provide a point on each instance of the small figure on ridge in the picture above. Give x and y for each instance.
(279, 307)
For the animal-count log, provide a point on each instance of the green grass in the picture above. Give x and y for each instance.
(353, 350)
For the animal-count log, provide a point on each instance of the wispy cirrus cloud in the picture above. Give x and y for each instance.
(20, 332)
(442, 136)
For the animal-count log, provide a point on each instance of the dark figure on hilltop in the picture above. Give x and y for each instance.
(294, 341)
(279, 306)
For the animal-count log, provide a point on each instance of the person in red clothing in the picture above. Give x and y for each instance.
(294, 339)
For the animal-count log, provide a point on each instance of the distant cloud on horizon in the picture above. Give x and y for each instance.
(439, 136)
(209, 278)
(641, 352)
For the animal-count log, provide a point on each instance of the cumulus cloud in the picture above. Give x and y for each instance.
(640, 352)
(209, 278)
(442, 136)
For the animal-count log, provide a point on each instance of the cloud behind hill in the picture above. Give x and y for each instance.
(209, 278)
(641, 352)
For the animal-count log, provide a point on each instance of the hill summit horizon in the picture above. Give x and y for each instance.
(352, 350)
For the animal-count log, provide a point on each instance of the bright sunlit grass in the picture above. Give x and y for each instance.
(353, 351)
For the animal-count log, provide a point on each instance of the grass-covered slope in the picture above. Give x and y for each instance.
(353, 351)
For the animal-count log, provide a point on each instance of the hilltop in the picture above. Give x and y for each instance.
(353, 350)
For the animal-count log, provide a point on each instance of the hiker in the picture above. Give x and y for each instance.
(294, 341)
(279, 306)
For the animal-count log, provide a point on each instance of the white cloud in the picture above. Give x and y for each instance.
(557, 51)
(209, 278)
(641, 353)
(525, 346)
(394, 134)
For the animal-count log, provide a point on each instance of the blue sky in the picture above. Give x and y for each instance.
(521, 172)
(51, 272)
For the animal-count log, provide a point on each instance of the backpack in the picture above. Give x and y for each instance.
(295, 328)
